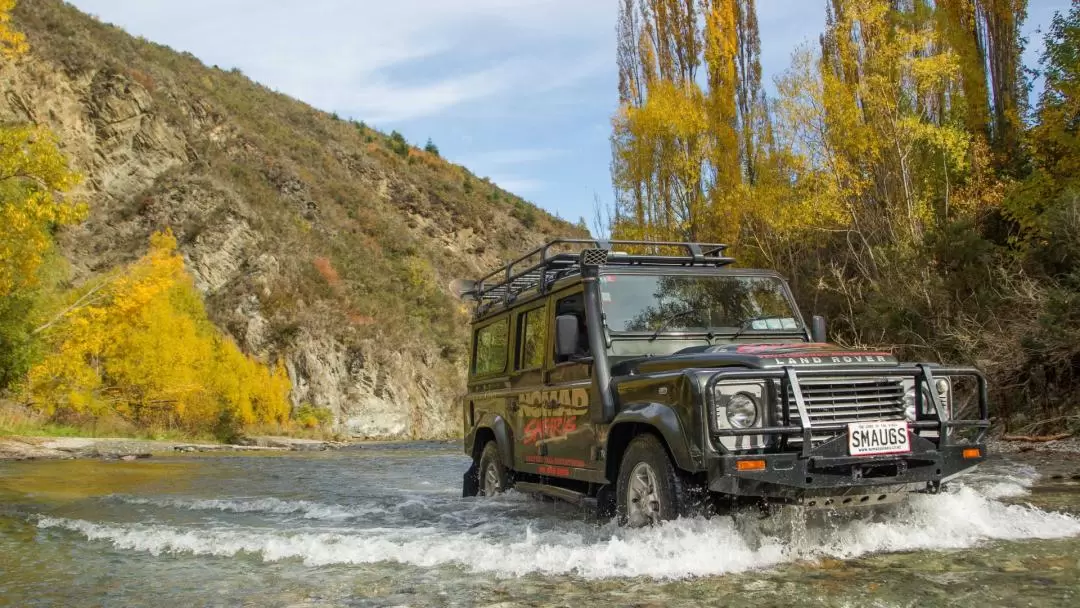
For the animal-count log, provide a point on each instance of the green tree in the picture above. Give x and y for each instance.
(431, 148)
(398, 143)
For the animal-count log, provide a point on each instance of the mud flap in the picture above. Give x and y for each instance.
(470, 483)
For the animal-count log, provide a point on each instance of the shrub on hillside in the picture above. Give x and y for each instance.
(398, 144)
(312, 416)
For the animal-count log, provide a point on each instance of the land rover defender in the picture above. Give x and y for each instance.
(642, 377)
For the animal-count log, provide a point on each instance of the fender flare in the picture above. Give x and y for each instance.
(664, 419)
(503, 437)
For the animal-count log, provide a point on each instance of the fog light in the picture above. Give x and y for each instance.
(742, 411)
(972, 453)
(750, 465)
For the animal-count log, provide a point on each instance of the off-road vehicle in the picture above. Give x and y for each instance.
(643, 376)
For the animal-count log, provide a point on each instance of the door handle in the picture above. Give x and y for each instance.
(512, 404)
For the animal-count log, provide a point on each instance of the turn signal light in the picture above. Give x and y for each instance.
(972, 453)
(750, 465)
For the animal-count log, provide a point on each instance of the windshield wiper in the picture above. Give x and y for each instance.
(749, 324)
(667, 321)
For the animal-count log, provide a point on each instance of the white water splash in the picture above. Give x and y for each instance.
(961, 518)
(265, 505)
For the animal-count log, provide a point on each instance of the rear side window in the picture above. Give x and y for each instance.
(490, 356)
(532, 339)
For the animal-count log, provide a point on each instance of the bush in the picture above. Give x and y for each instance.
(16, 338)
(398, 144)
(312, 416)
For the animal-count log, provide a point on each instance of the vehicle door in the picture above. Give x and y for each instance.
(491, 383)
(527, 379)
(568, 432)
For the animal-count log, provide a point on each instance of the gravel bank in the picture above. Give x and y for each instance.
(64, 448)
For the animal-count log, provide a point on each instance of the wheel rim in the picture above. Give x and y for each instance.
(642, 498)
(492, 486)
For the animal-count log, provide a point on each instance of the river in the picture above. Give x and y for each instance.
(385, 526)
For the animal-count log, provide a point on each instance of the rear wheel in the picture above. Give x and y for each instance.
(493, 475)
(649, 490)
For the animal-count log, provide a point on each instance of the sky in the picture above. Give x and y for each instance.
(520, 91)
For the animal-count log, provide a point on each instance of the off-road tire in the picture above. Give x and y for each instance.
(669, 496)
(492, 472)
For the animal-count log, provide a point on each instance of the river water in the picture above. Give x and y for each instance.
(385, 526)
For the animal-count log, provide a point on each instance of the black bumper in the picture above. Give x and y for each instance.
(819, 470)
(829, 471)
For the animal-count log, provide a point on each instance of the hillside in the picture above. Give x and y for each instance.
(315, 241)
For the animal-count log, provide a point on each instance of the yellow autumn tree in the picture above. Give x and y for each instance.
(869, 149)
(685, 148)
(141, 346)
(34, 174)
(12, 43)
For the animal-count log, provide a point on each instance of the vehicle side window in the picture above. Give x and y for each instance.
(575, 305)
(532, 336)
(491, 343)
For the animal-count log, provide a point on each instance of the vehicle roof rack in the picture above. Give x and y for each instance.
(560, 258)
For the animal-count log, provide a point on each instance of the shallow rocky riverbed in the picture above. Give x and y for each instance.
(385, 526)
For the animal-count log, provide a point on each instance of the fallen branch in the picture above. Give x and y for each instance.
(1036, 438)
(84, 300)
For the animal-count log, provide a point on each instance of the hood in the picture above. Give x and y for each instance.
(755, 356)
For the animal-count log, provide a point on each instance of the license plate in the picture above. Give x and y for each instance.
(878, 437)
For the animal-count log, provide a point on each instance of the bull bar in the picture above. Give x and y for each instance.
(923, 374)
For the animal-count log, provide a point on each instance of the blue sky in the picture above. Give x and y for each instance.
(521, 91)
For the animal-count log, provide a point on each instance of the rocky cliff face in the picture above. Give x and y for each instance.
(314, 241)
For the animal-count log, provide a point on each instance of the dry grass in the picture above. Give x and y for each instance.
(20, 420)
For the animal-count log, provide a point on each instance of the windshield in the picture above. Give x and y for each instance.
(643, 303)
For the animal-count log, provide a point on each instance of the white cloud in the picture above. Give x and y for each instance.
(521, 186)
(376, 59)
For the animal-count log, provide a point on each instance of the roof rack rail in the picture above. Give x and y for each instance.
(561, 257)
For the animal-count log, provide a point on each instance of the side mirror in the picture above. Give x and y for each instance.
(566, 335)
(818, 330)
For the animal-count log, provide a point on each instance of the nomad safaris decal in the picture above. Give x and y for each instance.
(552, 414)
(572, 397)
(548, 428)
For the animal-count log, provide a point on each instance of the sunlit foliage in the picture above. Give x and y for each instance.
(140, 345)
(33, 176)
(685, 146)
(12, 43)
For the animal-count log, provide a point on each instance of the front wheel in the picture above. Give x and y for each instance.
(493, 475)
(649, 489)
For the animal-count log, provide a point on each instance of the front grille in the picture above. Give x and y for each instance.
(835, 401)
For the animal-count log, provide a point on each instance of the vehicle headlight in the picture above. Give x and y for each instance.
(742, 411)
(739, 405)
(930, 403)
